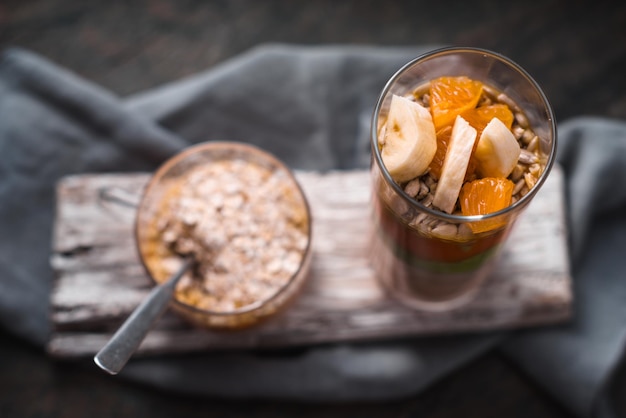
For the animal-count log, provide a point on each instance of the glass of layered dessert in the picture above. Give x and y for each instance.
(462, 140)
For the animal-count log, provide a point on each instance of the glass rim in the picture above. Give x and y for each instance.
(524, 200)
(246, 149)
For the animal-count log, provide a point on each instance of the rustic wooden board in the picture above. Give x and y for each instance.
(99, 280)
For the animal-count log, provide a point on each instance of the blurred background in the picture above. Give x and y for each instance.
(575, 50)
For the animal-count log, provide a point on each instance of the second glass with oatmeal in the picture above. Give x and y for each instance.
(462, 140)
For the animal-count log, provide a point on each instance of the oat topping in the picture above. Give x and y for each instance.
(245, 224)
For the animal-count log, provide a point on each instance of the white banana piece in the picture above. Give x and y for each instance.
(497, 150)
(455, 165)
(410, 142)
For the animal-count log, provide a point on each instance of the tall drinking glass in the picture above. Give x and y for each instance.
(430, 259)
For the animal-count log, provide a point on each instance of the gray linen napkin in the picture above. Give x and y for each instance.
(310, 106)
(574, 361)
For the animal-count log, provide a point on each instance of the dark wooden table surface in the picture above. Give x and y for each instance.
(575, 50)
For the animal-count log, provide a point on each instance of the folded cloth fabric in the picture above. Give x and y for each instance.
(311, 106)
(575, 361)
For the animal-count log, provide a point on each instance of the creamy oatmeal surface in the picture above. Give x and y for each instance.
(246, 225)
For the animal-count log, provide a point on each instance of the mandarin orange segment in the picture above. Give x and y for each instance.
(484, 196)
(443, 138)
(472, 165)
(452, 96)
(479, 117)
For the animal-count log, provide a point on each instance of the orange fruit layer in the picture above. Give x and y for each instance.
(484, 196)
(481, 116)
(443, 138)
(452, 96)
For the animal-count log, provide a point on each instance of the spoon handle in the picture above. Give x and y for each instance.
(114, 355)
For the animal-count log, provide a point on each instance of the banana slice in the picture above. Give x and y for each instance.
(497, 150)
(455, 165)
(410, 143)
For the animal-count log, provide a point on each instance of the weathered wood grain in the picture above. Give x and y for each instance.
(99, 279)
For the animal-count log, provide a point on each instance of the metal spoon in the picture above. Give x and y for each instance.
(114, 355)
